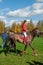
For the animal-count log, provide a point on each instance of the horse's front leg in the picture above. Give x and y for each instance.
(35, 53)
(23, 52)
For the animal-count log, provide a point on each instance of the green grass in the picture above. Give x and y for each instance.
(28, 58)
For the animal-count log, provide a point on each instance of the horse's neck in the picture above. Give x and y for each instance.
(33, 34)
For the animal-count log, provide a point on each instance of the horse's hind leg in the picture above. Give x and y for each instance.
(14, 44)
(15, 48)
(35, 53)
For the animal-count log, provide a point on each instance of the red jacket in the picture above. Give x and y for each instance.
(24, 27)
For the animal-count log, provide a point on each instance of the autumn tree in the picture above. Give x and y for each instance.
(7, 28)
(42, 24)
(2, 26)
(19, 28)
(39, 25)
(30, 25)
(14, 27)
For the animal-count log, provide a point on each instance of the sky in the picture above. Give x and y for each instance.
(18, 10)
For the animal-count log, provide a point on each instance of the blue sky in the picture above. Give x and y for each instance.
(17, 10)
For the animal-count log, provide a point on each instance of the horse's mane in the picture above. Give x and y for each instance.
(34, 29)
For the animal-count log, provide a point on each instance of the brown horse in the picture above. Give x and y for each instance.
(28, 40)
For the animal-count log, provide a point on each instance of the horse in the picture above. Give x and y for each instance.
(28, 40)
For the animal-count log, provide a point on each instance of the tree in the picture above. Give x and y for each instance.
(39, 25)
(2, 26)
(42, 24)
(19, 28)
(30, 25)
(14, 27)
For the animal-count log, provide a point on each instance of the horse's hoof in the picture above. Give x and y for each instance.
(21, 54)
(36, 54)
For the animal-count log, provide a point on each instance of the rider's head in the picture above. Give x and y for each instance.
(24, 21)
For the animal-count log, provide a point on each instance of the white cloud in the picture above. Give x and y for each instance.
(35, 9)
(9, 23)
(2, 17)
(39, 0)
(20, 12)
(37, 6)
(35, 22)
(36, 12)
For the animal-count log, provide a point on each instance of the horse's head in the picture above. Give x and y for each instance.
(37, 31)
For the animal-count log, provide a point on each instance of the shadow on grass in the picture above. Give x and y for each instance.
(35, 63)
(3, 51)
(11, 51)
(0, 46)
(19, 51)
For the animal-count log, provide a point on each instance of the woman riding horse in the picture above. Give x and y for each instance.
(28, 40)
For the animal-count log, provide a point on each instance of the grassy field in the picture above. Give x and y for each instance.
(27, 59)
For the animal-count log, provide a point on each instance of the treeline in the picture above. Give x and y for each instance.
(18, 27)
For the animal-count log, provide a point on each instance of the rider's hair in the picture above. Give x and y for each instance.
(24, 21)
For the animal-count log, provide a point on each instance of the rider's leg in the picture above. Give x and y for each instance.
(24, 41)
(25, 35)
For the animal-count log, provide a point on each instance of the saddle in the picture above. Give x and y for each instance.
(24, 39)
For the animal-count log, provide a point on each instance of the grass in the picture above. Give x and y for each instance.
(28, 58)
